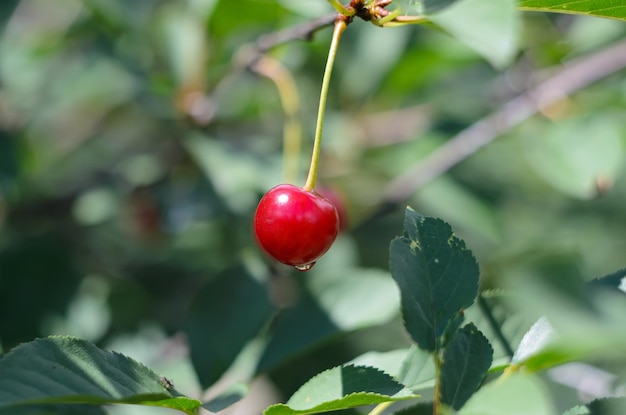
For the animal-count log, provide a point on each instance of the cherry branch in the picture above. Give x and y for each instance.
(201, 109)
(574, 76)
(251, 53)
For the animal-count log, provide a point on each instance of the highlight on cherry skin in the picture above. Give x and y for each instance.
(295, 226)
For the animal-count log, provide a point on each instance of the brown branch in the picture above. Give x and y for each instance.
(200, 108)
(304, 32)
(250, 53)
(574, 76)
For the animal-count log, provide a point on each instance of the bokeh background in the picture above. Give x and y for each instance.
(135, 144)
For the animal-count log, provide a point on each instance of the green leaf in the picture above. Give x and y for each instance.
(419, 7)
(585, 321)
(437, 276)
(329, 305)
(343, 387)
(6, 12)
(418, 369)
(422, 408)
(536, 338)
(574, 348)
(20, 273)
(607, 406)
(225, 315)
(616, 279)
(515, 395)
(295, 330)
(341, 293)
(64, 370)
(390, 362)
(577, 410)
(413, 367)
(576, 156)
(491, 28)
(227, 398)
(432, 6)
(466, 361)
(53, 410)
(601, 8)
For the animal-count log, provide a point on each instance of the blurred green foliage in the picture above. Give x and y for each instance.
(133, 150)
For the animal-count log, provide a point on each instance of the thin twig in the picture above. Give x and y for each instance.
(574, 76)
(495, 326)
(267, 42)
(249, 54)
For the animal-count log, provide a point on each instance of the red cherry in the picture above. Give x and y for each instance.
(336, 199)
(295, 226)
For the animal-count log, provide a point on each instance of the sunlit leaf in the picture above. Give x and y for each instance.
(63, 370)
(417, 7)
(390, 362)
(343, 293)
(515, 395)
(578, 157)
(577, 410)
(333, 302)
(614, 9)
(491, 28)
(343, 387)
(536, 338)
(418, 369)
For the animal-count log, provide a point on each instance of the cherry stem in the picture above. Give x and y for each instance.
(340, 26)
(341, 8)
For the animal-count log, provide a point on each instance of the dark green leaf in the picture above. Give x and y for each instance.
(63, 370)
(614, 280)
(422, 408)
(226, 314)
(343, 387)
(466, 361)
(9, 153)
(296, 330)
(227, 398)
(607, 406)
(53, 410)
(53, 273)
(451, 329)
(437, 276)
(601, 8)
(8, 6)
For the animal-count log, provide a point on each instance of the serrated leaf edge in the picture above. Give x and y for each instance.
(386, 398)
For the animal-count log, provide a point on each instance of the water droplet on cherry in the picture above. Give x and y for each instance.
(305, 267)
